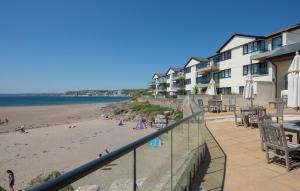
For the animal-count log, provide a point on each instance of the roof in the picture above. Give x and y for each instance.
(288, 49)
(289, 28)
(159, 75)
(200, 59)
(238, 34)
(174, 69)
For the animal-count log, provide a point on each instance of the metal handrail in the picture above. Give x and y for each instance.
(79, 172)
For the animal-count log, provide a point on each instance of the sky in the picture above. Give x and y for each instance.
(59, 45)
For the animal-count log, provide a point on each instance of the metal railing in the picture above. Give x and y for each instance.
(167, 159)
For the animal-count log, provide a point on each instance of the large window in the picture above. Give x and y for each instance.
(241, 90)
(285, 79)
(225, 90)
(201, 65)
(188, 81)
(254, 46)
(258, 69)
(187, 70)
(276, 42)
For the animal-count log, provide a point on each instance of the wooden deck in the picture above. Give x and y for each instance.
(246, 167)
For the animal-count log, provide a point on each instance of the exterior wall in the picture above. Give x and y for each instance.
(237, 41)
(192, 75)
(282, 69)
(236, 63)
(292, 37)
(169, 81)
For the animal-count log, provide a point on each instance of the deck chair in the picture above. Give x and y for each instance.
(279, 112)
(238, 118)
(276, 144)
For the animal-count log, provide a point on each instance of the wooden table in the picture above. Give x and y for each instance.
(246, 110)
(215, 103)
(274, 103)
(293, 127)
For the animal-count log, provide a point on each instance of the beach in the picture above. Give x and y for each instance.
(56, 146)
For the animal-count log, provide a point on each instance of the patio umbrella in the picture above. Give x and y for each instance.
(294, 83)
(211, 89)
(248, 90)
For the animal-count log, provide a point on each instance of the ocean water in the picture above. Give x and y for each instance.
(33, 100)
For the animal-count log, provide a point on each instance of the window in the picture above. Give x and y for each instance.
(201, 65)
(225, 73)
(188, 81)
(188, 70)
(254, 47)
(276, 42)
(285, 79)
(168, 85)
(223, 56)
(258, 69)
(241, 90)
(168, 76)
(224, 90)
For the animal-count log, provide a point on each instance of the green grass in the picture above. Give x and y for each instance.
(148, 110)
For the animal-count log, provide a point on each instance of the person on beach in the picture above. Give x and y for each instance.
(6, 121)
(11, 180)
(121, 122)
(141, 124)
(99, 156)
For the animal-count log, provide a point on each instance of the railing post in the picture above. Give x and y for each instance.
(134, 170)
(171, 159)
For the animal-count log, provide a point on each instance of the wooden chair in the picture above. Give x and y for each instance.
(255, 116)
(276, 144)
(231, 103)
(213, 106)
(238, 118)
(279, 112)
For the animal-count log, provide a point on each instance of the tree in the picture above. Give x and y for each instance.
(195, 89)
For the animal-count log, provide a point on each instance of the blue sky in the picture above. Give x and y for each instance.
(60, 45)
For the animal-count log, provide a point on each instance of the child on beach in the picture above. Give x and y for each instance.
(11, 180)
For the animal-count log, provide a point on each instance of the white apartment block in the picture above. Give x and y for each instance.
(267, 58)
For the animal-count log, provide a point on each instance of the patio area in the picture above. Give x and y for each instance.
(246, 167)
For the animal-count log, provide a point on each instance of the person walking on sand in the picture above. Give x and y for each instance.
(11, 180)
(6, 121)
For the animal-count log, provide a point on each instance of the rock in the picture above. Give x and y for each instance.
(160, 119)
(168, 113)
(89, 188)
(42, 179)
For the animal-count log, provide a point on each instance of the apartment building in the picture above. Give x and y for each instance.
(267, 58)
(160, 84)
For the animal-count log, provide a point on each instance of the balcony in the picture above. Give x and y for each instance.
(162, 80)
(207, 67)
(178, 76)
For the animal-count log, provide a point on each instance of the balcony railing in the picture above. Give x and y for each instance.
(207, 67)
(179, 76)
(162, 80)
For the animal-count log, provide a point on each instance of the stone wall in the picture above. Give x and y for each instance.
(164, 102)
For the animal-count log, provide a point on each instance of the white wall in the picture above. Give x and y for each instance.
(236, 63)
(293, 37)
(192, 75)
(237, 41)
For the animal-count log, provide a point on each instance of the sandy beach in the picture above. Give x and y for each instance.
(56, 146)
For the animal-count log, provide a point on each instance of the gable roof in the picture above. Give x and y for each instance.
(238, 34)
(200, 59)
(158, 75)
(289, 28)
(174, 69)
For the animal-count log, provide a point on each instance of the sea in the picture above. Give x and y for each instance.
(46, 100)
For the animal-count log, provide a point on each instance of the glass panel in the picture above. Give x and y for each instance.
(154, 164)
(117, 175)
(179, 156)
